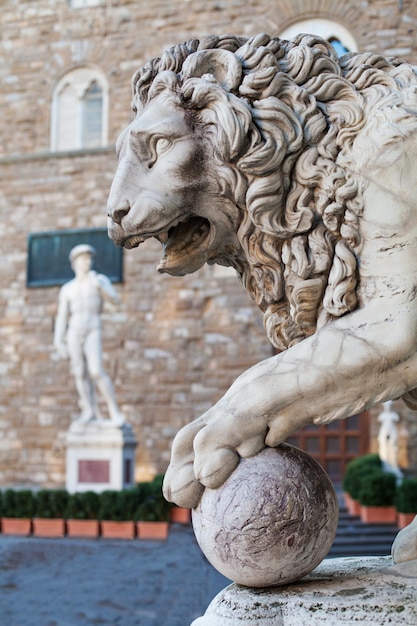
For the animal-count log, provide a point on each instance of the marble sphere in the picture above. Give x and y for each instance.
(272, 522)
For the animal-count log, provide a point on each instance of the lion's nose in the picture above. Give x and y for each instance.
(118, 214)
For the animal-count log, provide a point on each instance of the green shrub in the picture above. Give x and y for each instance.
(51, 503)
(406, 496)
(118, 506)
(158, 481)
(357, 471)
(152, 505)
(378, 489)
(152, 510)
(18, 503)
(83, 505)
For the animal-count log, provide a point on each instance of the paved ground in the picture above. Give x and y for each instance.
(73, 582)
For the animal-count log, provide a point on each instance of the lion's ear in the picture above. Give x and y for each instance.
(222, 64)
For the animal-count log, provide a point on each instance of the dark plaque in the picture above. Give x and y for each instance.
(93, 471)
(48, 262)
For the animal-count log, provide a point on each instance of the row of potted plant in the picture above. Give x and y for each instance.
(140, 511)
(378, 496)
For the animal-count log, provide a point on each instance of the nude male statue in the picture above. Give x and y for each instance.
(78, 333)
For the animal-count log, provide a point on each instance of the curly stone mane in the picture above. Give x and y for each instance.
(284, 139)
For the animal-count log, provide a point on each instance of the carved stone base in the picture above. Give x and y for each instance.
(365, 590)
(100, 456)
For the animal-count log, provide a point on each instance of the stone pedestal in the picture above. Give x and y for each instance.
(365, 590)
(100, 456)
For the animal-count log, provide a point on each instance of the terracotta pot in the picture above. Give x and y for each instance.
(16, 526)
(179, 515)
(48, 527)
(378, 514)
(83, 528)
(404, 519)
(353, 506)
(117, 530)
(152, 530)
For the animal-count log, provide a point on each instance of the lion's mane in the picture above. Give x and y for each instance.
(284, 142)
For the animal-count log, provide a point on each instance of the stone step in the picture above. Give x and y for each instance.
(367, 529)
(354, 538)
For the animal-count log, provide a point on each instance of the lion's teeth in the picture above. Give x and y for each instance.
(133, 241)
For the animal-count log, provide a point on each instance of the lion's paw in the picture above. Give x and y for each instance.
(213, 467)
(180, 484)
(204, 454)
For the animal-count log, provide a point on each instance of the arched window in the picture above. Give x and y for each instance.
(79, 111)
(335, 33)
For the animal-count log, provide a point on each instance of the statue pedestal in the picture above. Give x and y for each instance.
(369, 590)
(100, 456)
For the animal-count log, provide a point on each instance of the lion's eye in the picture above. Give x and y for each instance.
(162, 145)
(157, 147)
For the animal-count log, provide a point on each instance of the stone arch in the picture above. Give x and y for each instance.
(287, 13)
(323, 27)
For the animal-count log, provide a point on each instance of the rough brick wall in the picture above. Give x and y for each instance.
(171, 348)
(174, 345)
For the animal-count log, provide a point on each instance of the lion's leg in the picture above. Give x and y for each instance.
(343, 369)
(207, 451)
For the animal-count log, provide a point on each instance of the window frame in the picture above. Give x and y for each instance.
(79, 80)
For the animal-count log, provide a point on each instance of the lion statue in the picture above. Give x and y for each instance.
(296, 168)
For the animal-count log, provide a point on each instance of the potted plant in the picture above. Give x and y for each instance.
(356, 473)
(406, 502)
(49, 512)
(377, 496)
(82, 514)
(116, 513)
(153, 512)
(179, 515)
(17, 512)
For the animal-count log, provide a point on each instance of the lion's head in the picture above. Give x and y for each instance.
(240, 153)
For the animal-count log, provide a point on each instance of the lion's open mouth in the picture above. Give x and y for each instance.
(184, 246)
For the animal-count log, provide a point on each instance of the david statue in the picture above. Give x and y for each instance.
(296, 168)
(77, 334)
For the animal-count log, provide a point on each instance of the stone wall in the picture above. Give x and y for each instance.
(174, 345)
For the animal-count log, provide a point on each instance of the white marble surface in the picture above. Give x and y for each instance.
(366, 590)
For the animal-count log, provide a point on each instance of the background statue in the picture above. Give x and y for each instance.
(388, 437)
(78, 333)
(295, 167)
